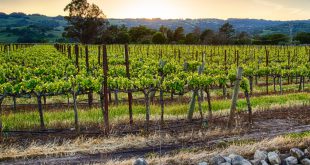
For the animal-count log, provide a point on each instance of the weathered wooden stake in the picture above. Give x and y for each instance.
(42, 125)
(129, 92)
(105, 90)
(210, 116)
(233, 106)
(76, 116)
(14, 103)
(69, 51)
(247, 97)
(1, 100)
(90, 93)
(76, 51)
(99, 54)
(267, 76)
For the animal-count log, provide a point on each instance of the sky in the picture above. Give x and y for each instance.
(165, 9)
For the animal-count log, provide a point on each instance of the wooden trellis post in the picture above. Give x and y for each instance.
(105, 90)
(267, 76)
(76, 51)
(129, 92)
(233, 106)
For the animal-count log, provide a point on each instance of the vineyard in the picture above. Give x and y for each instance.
(41, 71)
(94, 85)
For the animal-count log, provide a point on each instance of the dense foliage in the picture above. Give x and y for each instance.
(43, 70)
(68, 70)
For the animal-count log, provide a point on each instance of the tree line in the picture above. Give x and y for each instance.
(88, 25)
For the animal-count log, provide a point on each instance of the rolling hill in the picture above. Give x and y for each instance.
(15, 27)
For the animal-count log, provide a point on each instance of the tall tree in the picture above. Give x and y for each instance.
(115, 35)
(243, 38)
(141, 34)
(86, 22)
(197, 31)
(123, 36)
(226, 33)
(179, 35)
(164, 30)
(207, 36)
(159, 38)
(170, 35)
(191, 38)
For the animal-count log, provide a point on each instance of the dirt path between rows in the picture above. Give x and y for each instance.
(268, 124)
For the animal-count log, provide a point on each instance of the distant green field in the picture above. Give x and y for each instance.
(9, 27)
(6, 37)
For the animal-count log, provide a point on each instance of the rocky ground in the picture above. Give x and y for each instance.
(261, 157)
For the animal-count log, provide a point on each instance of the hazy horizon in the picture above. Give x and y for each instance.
(282, 10)
(160, 18)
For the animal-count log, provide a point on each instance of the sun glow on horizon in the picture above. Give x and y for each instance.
(150, 9)
(173, 9)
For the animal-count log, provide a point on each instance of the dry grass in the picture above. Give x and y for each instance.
(245, 149)
(83, 145)
(70, 147)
